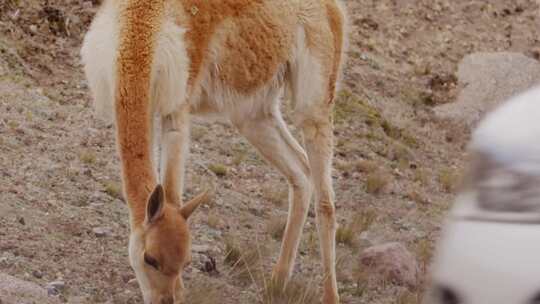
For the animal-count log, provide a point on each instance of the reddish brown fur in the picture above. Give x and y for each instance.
(166, 238)
(335, 19)
(254, 47)
(133, 117)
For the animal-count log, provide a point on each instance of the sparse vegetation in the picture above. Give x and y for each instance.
(345, 235)
(377, 182)
(448, 179)
(213, 220)
(113, 189)
(88, 158)
(359, 223)
(198, 133)
(422, 176)
(424, 252)
(350, 106)
(366, 166)
(407, 297)
(297, 291)
(276, 227)
(218, 169)
(276, 195)
(244, 260)
(204, 292)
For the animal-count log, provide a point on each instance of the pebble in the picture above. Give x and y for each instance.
(101, 231)
(55, 288)
(37, 274)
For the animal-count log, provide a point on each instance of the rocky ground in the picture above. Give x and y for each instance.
(402, 123)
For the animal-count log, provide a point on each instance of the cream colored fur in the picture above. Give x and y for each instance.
(99, 59)
(169, 70)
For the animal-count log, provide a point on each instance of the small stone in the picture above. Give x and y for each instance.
(33, 28)
(4, 261)
(22, 221)
(55, 288)
(393, 262)
(101, 231)
(37, 274)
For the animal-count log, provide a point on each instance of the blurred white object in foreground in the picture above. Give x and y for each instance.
(489, 252)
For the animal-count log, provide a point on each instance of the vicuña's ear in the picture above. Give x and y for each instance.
(193, 204)
(154, 207)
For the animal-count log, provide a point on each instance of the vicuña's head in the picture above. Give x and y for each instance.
(160, 248)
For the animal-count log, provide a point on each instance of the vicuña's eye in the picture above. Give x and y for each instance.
(151, 261)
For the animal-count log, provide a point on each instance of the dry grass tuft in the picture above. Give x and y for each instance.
(377, 182)
(449, 179)
(297, 291)
(422, 176)
(198, 133)
(276, 227)
(113, 189)
(276, 195)
(366, 166)
(424, 251)
(213, 220)
(361, 276)
(349, 106)
(345, 235)
(88, 158)
(245, 263)
(203, 292)
(407, 297)
(232, 251)
(359, 223)
(218, 169)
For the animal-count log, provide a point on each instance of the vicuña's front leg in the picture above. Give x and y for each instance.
(270, 136)
(175, 147)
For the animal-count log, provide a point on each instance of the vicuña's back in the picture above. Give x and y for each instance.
(232, 58)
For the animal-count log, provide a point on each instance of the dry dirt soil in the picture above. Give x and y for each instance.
(397, 165)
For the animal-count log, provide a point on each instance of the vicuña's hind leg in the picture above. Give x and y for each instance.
(175, 146)
(318, 140)
(269, 134)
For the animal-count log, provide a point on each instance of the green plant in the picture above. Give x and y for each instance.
(218, 169)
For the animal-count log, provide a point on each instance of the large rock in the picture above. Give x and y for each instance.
(15, 291)
(392, 262)
(488, 79)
